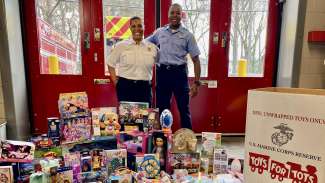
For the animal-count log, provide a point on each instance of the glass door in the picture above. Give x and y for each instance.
(112, 18)
(237, 40)
(197, 18)
(66, 44)
(246, 56)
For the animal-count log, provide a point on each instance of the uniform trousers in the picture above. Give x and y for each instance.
(172, 79)
(133, 90)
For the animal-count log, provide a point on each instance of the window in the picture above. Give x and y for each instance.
(58, 26)
(196, 18)
(248, 38)
(117, 14)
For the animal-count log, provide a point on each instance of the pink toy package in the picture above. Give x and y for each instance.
(16, 151)
(75, 129)
(135, 141)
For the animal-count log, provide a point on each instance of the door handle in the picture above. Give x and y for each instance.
(224, 38)
(215, 121)
(215, 38)
(86, 40)
(218, 121)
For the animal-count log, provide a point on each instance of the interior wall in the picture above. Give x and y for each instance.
(2, 32)
(12, 72)
(2, 109)
(312, 69)
(287, 43)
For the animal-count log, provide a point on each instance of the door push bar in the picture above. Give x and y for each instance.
(86, 40)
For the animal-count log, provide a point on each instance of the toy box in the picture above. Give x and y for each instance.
(48, 153)
(131, 115)
(16, 151)
(210, 141)
(150, 166)
(25, 170)
(151, 120)
(138, 161)
(135, 142)
(159, 143)
(54, 130)
(42, 141)
(75, 129)
(73, 160)
(6, 174)
(188, 161)
(86, 161)
(65, 176)
(113, 159)
(105, 121)
(73, 104)
(220, 161)
(284, 128)
(96, 159)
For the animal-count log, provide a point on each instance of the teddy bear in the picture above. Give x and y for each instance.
(109, 124)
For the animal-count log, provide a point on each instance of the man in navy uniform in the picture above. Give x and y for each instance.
(175, 43)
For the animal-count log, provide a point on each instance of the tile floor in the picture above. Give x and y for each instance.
(234, 146)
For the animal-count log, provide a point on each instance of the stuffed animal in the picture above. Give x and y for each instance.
(109, 124)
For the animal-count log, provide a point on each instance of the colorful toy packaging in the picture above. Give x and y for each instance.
(151, 120)
(150, 166)
(25, 170)
(73, 104)
(6, 174)
(220, 161)
(115, 159)
(105, 121)
(48, 153)
(138, 145)
(131, 115)
(188, 161)
(96, 159)
(16, 151)
(135, 141)
(86, 162)
(73, 160)
(75, 130)
(54, 130)
(210, 141)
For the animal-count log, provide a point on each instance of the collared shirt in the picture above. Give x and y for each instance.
(174, 45)
(133, 61)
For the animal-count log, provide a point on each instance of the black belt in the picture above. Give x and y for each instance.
(172, 67)
(134, 81)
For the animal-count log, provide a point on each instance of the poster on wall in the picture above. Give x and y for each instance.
(284, 128)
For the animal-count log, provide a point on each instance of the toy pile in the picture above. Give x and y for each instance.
(128, 143)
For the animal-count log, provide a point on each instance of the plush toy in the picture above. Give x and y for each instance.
(109, 124)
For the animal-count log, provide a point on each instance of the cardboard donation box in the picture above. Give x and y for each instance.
(285, 133)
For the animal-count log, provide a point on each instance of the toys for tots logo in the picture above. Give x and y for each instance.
(280, 170)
